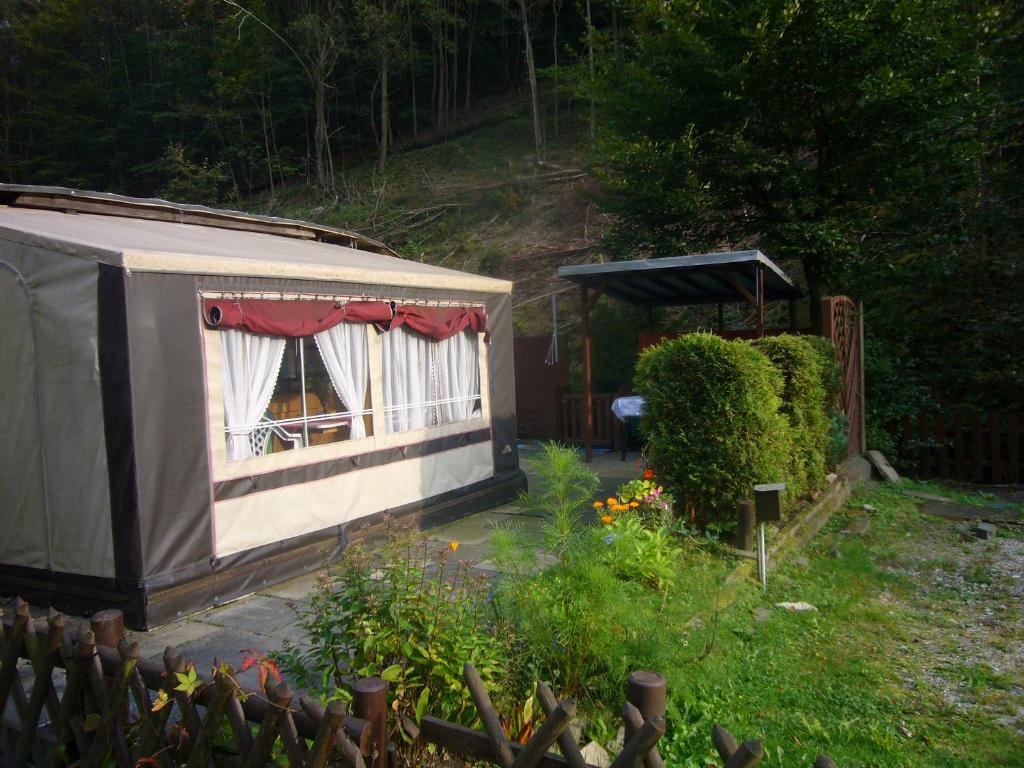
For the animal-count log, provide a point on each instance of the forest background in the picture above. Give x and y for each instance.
(873, 147)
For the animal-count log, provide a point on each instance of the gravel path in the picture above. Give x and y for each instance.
(968, 606)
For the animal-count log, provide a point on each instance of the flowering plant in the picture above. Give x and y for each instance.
(649, 499)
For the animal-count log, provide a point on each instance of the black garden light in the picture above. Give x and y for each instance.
(768, 507)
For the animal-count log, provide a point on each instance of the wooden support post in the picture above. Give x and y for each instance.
(553, 726)
(634, 723)
(648, 692)
(371, 705)
(746, 520)
(635, 748)
(489, 717)
(108, 627)
(566, 741)
(588, 391)
(759, 276)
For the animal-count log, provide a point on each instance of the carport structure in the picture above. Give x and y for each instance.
(732, 277)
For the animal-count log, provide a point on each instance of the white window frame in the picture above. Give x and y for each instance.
(222, 469)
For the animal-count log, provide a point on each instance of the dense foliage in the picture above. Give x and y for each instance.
(402, 614)
(577, 620)
(713, 421)
(206, 100)
(877, 144)
(804, 404)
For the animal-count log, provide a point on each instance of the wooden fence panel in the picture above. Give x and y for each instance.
(979, 448)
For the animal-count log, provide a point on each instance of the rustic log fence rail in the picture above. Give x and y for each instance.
(114, 708)
(968, 448)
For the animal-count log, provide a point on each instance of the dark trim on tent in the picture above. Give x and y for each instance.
(116, 392)
(74, 592)
(249, 571)
(243, 486)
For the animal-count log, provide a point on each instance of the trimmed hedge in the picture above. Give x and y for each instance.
(713, 421)
(832, 380)
(804, 404)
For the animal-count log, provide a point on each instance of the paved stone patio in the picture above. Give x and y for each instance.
(265, 620)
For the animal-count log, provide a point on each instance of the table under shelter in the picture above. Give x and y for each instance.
(732, 277)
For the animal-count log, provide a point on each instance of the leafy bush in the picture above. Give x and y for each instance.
(649, 500)
(804, 403)
(401, 614)
(713, 421)
(565, 490)
(832, 380)
(638, 553)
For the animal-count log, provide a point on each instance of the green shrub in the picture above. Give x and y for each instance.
(713, 422)
(832, 379)
(804, 403)
(565, 490)
(639, 553)
(401, 614)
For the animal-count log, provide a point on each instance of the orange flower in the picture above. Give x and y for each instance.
(607, 519)
(648, 474)
(453, 546)
(634, 504)
(598, 504)
(612, 501)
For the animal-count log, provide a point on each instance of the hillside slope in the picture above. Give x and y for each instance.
(477, 203)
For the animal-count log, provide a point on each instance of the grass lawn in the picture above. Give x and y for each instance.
(913, 658)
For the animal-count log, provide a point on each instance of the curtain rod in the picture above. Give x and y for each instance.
(339, 298)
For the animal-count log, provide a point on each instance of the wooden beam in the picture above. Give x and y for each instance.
(731, 279)
(596, 295)
(759, 283)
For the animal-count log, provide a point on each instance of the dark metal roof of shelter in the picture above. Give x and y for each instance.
(707, 278)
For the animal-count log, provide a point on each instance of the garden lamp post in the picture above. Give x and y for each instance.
(768, 507)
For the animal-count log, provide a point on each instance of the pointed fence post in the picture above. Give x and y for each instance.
(371, 705)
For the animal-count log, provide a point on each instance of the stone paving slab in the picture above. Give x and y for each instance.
(260, 614)
(298, 588)
(179, 634)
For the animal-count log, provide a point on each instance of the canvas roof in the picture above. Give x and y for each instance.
(707, 278)
(117, 235)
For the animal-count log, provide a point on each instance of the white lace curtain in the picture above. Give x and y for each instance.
(407, 378)
(429, 382)
(251, 364)
(458, 377)
(343, 349)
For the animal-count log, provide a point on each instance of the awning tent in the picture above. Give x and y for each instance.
(730, 277)
(161, 457)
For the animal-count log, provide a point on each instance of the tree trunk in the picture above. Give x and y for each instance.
(555, 7)
(324, 167)
(385, 113)
(590, 64)
(469, 56)
(815, 288)
(532, 73)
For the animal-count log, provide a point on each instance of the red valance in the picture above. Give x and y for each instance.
(272, 317)
(440, 323)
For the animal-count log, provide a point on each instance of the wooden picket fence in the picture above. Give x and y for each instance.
(571, 420)
(972, 448)
(95, 705)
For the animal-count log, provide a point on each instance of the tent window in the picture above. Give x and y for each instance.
(284, 394)
(429, 383)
